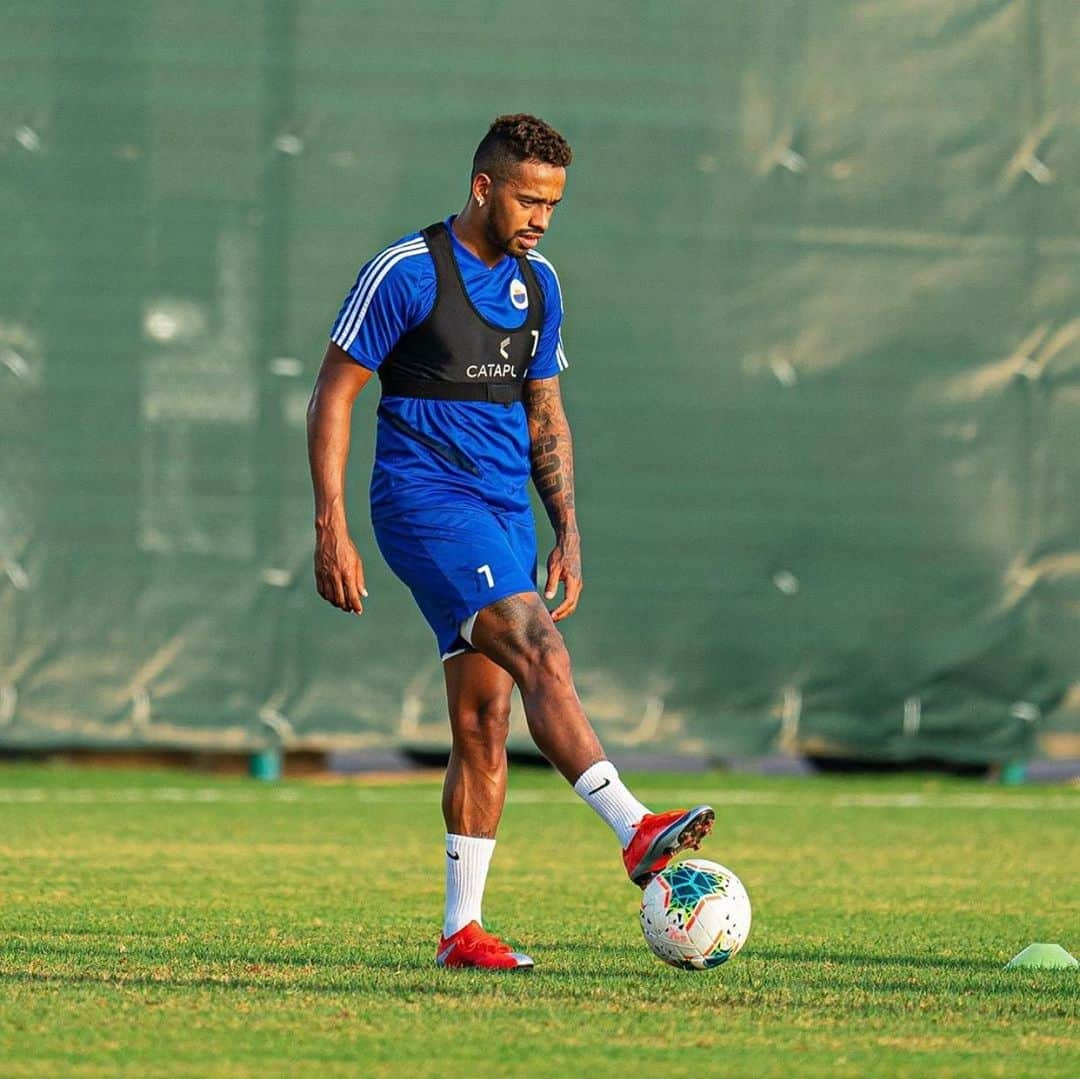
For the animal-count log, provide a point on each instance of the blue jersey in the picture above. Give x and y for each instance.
(488, 442)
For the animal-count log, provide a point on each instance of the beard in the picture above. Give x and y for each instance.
(497, 235)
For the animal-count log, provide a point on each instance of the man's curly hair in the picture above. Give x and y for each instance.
(515, 138)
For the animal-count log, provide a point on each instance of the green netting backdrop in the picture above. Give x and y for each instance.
(820, 268)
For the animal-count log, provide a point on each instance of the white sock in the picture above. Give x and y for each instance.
(603, 791)
(467, 861)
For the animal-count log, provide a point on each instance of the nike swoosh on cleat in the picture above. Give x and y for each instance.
(606, 783)
(442, 957)
(452, 854)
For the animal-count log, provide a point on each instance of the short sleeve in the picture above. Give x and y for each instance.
(393, 292)
(550, 358)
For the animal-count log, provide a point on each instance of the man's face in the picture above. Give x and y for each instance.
(519, 208)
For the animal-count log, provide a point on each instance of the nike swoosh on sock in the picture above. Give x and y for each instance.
(606, 783)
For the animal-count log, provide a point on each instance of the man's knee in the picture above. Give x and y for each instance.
(482, 727)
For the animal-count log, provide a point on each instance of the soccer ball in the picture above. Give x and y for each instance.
(695, 914)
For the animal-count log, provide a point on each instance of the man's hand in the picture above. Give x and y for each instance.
(339, 572)
(552, 456)
(564, 564)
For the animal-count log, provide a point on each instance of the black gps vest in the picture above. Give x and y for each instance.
(455, 354)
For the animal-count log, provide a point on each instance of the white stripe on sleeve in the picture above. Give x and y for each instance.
(386, 268)
(345, 324)
(535, 256)
(560, 355)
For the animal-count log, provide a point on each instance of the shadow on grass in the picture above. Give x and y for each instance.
(588, 957)
(416, 981)
(565, 971)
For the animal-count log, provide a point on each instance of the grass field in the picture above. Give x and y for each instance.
(167, 924)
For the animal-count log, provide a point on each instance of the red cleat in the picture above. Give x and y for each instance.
(474, 946)
(658, 837)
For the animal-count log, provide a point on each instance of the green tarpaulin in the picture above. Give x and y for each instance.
(823, 320)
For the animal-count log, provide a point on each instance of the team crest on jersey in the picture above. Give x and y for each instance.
(519, 296)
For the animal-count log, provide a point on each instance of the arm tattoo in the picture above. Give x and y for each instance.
(547, 466)
(552, 454)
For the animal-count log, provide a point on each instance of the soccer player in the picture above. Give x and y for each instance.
(461, 323)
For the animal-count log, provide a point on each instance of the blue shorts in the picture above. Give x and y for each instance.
(458, 561)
